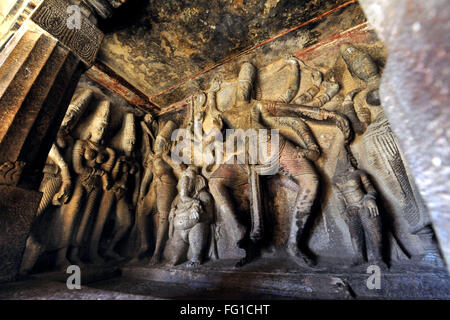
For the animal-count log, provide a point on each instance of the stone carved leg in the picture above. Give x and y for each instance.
(82, 228)
(304, 201)
(33, 251)
(179, 247)
(103, 212)
(231, 231)
(373, 236)
(166, 194)
(142, 220)
(410, 243)
(64, 227)
(34, 248)
(122, 225)
(198, 242)
(356, 231)
(304, 174)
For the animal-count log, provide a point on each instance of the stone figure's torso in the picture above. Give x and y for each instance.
(351, 188)
(239, 116)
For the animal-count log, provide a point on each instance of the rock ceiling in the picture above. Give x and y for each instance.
(164, 48)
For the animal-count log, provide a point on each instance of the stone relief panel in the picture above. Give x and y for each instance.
(328, 189)
(91, 184)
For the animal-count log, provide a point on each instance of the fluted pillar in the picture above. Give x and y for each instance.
(39, 70)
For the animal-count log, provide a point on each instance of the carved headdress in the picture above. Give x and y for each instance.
(101, 116)
(76, 109)
(164, 137)
(127, 133)
(103, 111)
(246, 80)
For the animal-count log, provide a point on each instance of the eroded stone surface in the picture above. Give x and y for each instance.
(17, 210)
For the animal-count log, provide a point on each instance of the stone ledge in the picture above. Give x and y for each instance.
(290, 282)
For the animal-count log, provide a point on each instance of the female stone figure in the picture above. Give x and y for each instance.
(92, 161)
(124, 193)
(162, 190)
(149, 129)
(190, 217)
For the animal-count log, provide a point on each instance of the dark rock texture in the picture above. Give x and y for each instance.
(265, 279)
(17, 210)
(268, 278)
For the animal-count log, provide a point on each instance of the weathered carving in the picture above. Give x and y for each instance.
(158, 191)
(51, 15)
(383, 154)
(93, 163)
(56, 185)
(125, 177)
(145, 204)
(202, 203)
(362, 214)
(10, 172)
(384, 158)
(294, 160)
(190, 217)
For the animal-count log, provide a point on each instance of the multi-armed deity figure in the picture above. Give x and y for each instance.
(92, 161)
(124, 193)
(362, 214)
(190, 217)
(294, 160)
(56, 186)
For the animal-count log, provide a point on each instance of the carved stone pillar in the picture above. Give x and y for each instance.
(39, 70)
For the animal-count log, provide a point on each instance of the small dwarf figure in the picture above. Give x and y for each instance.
(190, 218)
(354, 186)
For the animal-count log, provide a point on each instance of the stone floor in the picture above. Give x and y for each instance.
(262, 279)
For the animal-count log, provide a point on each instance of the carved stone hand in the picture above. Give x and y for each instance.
(63, 194)
(371, 207)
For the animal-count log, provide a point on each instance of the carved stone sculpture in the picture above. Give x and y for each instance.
(294, 160)
(56, 185)
(362, 214)
(149, 130)
(383, 157)
(92, 162)
(125, 176)
(190, 217)
(10, 172)
(383, 153)
(160, 193)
